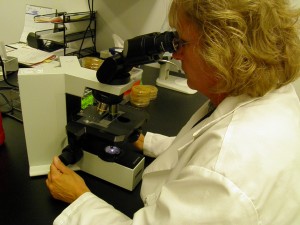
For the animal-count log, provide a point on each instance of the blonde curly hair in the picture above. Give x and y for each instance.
(254, 45)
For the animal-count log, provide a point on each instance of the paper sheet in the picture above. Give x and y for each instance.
(30, 25)
(30, 56)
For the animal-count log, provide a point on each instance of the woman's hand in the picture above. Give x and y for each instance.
(139, 144)
(63, 183)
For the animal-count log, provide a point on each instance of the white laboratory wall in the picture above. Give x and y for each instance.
(296, 2)
(297, 83)
(126, 18)
(12, 14)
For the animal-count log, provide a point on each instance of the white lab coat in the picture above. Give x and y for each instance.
(240, 166)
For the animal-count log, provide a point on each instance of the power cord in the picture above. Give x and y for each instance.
(92, 15)
(8, 109)
(5, 78)
(11, 108)
(8, 103)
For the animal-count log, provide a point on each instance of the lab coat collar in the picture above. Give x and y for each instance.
(226, 107)
(189, 132)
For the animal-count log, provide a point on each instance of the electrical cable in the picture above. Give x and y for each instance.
(4, 76)
(10, 111)
(91, 9)
(8, 103)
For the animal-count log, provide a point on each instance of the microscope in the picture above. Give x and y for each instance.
(96, 139)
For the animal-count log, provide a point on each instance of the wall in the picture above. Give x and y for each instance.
(296, 2)
(12, 14)
(297, 83)
(126, 18)
(129, 18)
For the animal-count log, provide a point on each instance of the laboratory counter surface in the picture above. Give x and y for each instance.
(25, 200)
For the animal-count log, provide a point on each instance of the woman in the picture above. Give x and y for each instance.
(237, 160)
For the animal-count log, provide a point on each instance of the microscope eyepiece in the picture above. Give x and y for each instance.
(149, 45)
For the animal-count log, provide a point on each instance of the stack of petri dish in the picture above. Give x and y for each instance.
(92, 63)
(141, 95)
(153, 91)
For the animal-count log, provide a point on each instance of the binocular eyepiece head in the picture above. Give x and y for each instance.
(140, 50)
(150, 44)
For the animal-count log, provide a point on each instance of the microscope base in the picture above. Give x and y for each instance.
(112, 172)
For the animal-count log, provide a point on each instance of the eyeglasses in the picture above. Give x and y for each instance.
(178, 43)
